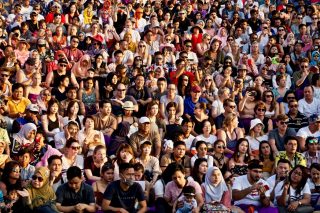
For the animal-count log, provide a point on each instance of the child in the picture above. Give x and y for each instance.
(27, 170)
(189, 202)
(10, 199)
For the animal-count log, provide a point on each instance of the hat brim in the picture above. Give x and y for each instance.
(196, 27)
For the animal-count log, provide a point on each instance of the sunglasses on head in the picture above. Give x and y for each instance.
(35, 177)
(315, 140)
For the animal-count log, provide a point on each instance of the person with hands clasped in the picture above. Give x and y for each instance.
(250, 192)
(293, 194)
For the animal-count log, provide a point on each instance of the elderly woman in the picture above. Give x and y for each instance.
(39, 194)
(24, 137)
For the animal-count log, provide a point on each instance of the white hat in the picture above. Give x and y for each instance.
(128, 105)
(255, 122)
(33, 108)
(143, 120)
(168, 144)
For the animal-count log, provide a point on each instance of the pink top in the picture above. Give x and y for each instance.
(22, 56)
(225, 199)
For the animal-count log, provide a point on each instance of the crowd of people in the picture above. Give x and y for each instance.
(159, 106)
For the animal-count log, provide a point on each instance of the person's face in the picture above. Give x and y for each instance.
(154, 109)
(146, 149)
(75, 183)
(75, 108)
(215, 177)
(89, 124)
(72, 94)
(138, 174)
(13, 195)
(315, 175)
(283, 124)
(56, 166)
(74, 148)
(15, 172)
(220, 147)
(179, 178)
(172, 111)
(257, 128)
(108, 175)
(171, 89)
(31, 135)
(296, 175)
(18, 93)
(308, 93)
(203, 167)
(283, 169)
(125, 155)
(215, 46)
(121, 90)
(179, 151)
(255, 174)
(100, 154)
(106, 109)
(145, 127)
(74, 42)
(161, 85)
(293, 107)
(24, 159)
(187, 127)
(139, 82)
(291, 146)
(195, 95)
(206, 127)
(202, 150)
(243, 147)
(54, 108)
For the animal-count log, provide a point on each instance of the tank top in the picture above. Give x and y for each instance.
(56, 78)
(53, 124)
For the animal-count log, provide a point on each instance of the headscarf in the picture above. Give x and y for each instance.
(214, 192)
(288, 41)
(87, 16)
(221, 38)
(44, 194)
(313, 61)
(21, 136)
(80, 71)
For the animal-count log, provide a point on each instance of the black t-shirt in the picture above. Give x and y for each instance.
(123, 199)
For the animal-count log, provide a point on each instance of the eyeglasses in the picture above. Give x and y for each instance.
(304, 66)
(208, 79)
(75, 147)
(35, 177)
(269, 96)
(4, 75)
(261, 110)
(159, 58)
(314, 18)
(75, 41)
(291, 97)
(281, 29)
(121, 90)
(315, 140)
(188, 46)
(221, 147)
(62, 65)
(232, 106)
(284, 122)
(141, 46)
(95, 43)
(294, 106)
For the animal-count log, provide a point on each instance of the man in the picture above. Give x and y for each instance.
(242, 74)
(291, 153)
(118, 58)
(57, 22)
(71, 96)
(309, 105)
(144, 133)
(187, 127)
(32, 111)
(161, 88)
(127, 54)
(191, 101)
(75, 195)
(282, 171)
(71, 130)
(229, 107)
(119, 98)
(72, 52)
(184, 21)
(53, 78)
(251, 190)
(141, 93)
(104, 120)
(181, 69)
(178, 155)
(151, 41)
(16, 11)
(313, 129)
(33, 23)
(192, 56)
(278, 135)
(128, 29)
(17, 104)
(312, 154)
(121, 195)
(55, 168)
(296, 119)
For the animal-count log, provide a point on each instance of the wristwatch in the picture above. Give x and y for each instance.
(299, 202)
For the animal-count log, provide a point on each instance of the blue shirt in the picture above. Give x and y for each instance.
(189, 105)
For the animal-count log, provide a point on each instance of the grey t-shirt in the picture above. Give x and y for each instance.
(274, 134)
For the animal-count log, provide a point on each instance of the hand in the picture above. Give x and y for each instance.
(23, 193)
(80, 207)
(121, 210)
(293, 206)
(179, 204)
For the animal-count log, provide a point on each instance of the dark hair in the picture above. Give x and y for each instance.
(289, 138)
(198, 144)
(124, 166)
(286, 95)
(51, 103)
(104, 101)
(17, 86)
(71, 104)
(138, 167)
(315, 166)
(271, 157)
(304, 177)
(24, 151)
(187, 120)
(178, 143)
(54, 157)
(283, 160)
(71, 141)
(195, 170)
(86, 118)
(235, 155)
(171, 104)
(73, 172)
(106, 166)
(6, 173)
(179, 167)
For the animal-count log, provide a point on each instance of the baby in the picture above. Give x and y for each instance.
(189, 202)
(10, 199)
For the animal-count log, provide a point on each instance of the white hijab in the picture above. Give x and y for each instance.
(214, 192)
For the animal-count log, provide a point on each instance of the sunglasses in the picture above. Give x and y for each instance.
(75, 147)
(295, 106)
(232, 106)
(62, 65)
(269, 96)
(35, 177)
(188, 46)
(261, 110)
(121, 90)
(313, 141)
(209, 79)
(4, 75)
(221, 147)
(142, 46)
(284, 122)
(291, 97)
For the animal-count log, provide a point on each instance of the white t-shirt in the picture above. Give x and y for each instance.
(211, 139)
(159, 188)
(208, 157)
(292, 192)
(255, 142)
(218, 105)
(135, 35)
(309, 109)
(241, 183)
(189, 141)
(305, 132)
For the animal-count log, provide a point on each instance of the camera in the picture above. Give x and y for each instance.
(238, 81)
(253, 93)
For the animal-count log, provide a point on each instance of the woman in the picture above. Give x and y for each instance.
(72, 12)
(150, 163)
(93, 163)
(215, 53)
(88, 137)
(52, 121)
(172, 118)
(100, 186)
(252, 69)
(219, 159)
(157, 123)
(71, 156)
(100, 66)
(267, 157)
(39, 194)
(202, 150)
(259, 85)
(294, 194)
(59, 92)
(143, 52)
(204, 46)
(255, 54)
(43, 100)
(33, 91)
(59, 40)
(10, 179)
(124, 155)
(209, 88)
(255, 136)
(234, 53)
(206, 135)
(184, 86)
(230, 133)
(208, 29)
(89, 95)
(132, 46)
(171, 96)
(238, 164)
(272, 105)
(217, 105)
(225, 79)
(22, 52)
(118, 137)
(222, 36)
(314, 184)
(127, 116)
(282, 86)
(80, 68)
(199, 170)
(200, 115)
(72, 114)
(24, 137)
(260, 111)
(247, 105)
(215, 190)
(110, 86)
